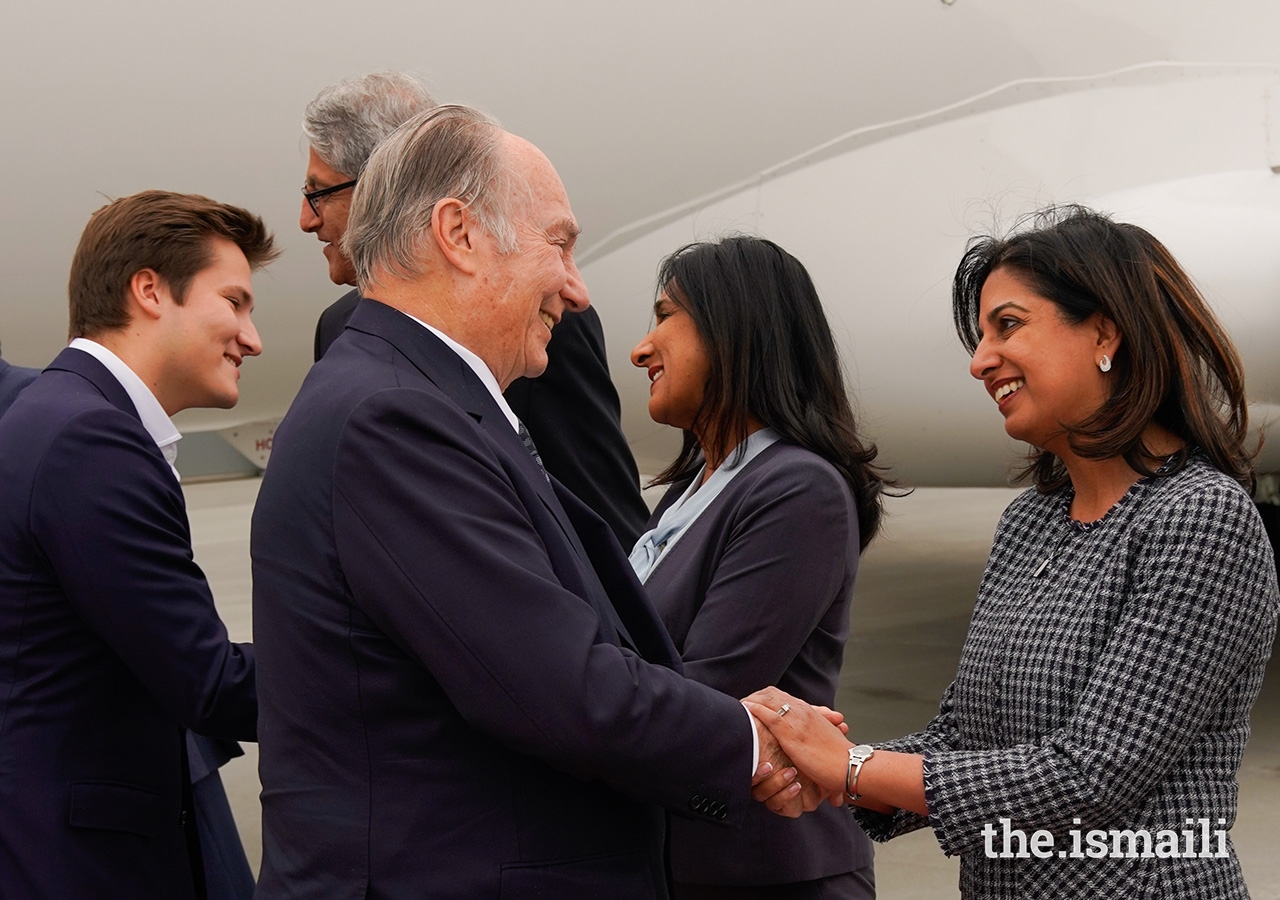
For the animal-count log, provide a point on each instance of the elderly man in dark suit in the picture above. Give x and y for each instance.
(109, 642)
(464, 691)
(572, 409)
(12, 380)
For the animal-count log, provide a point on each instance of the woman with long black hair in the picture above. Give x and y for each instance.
(750, 558)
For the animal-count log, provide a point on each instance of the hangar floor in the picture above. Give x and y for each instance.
(914, 597)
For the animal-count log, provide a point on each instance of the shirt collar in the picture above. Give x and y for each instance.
(478, 366)
(154, 419)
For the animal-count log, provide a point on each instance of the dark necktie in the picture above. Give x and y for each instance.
(527, 440)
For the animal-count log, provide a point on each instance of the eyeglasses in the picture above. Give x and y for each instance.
(312, 196)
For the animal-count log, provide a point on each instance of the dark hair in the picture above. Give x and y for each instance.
(772, 359)
(1175, 365)
(167, 232)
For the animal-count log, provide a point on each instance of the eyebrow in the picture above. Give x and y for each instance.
(995, 313)
(567, 227)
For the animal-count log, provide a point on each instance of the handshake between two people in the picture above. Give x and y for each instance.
(805, 760)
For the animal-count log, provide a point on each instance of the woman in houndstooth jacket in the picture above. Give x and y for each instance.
(1123, 624)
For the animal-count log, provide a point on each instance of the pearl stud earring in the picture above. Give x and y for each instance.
(1105, 363)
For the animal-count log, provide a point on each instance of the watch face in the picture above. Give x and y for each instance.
(863, 752)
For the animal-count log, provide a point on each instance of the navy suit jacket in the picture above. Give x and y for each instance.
(572, 412)
(12, 380)
(109, 645)
(454, 703)
(755, 593)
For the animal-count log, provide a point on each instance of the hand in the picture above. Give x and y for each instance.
(835, 717)
(769, 745)
(777, 781)
(810, 738)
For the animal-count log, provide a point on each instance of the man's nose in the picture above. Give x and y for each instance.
(574, 293)
(249, 339)
(308, 221)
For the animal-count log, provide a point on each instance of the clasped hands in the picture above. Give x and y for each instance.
(801, 753)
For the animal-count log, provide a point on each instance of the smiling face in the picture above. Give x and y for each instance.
(1041, 369)
(204, 340)
(677, 362)
(527, 290)
(331, 224)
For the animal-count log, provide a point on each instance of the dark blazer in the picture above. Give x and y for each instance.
(333, 320)
(453, 703)
(12, 380)
(756, 593)
(109, 645)
(572, 412)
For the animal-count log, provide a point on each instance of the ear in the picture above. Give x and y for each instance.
(147, 293)
(1109, 337)
(454, 231)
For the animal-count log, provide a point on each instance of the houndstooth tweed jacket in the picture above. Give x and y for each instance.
(1105, 683)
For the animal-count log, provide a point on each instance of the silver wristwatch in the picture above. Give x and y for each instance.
(857, 756)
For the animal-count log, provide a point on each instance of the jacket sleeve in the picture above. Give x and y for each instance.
(114, 527)
(939, 734)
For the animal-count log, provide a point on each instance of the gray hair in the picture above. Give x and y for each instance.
(346, 121)
(449, 151)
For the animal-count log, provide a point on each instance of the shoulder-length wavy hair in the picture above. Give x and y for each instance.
(1175, 366)
(772, 359)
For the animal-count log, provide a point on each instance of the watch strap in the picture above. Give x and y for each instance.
(858, 755)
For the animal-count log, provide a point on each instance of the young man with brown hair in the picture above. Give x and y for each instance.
(110, 645)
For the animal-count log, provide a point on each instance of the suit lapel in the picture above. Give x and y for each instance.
(428, 354)
(439, 364)
(88, 368)
(500, 430)
(450, 373)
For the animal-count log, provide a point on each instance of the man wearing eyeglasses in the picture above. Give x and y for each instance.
(572, 410)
